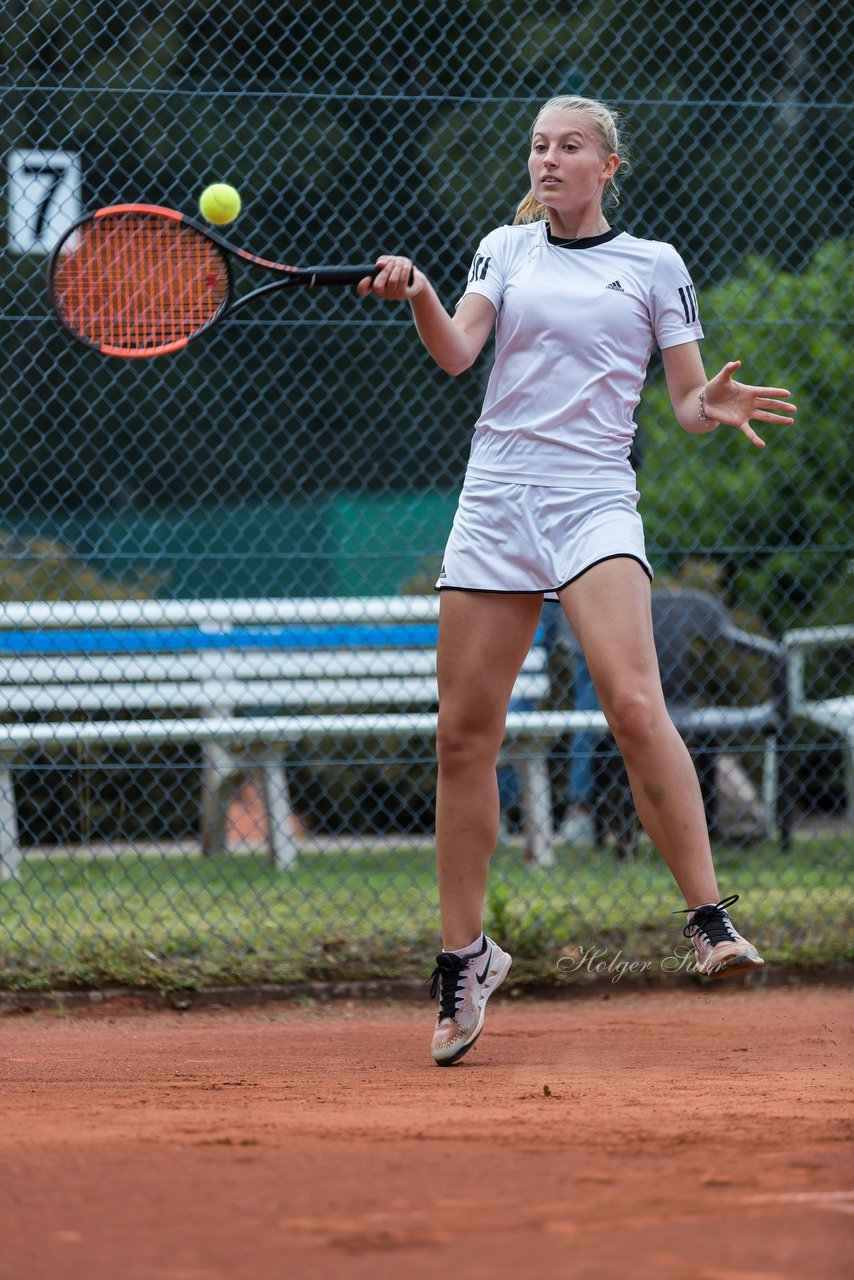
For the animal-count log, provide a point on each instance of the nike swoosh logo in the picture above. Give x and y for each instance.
(481, 977)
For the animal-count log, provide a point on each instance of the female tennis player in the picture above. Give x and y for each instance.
(549, 509)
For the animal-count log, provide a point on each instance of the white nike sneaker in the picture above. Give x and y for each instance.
(721, 951)
(463, 987)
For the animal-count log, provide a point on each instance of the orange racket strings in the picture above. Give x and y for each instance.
(137, 282)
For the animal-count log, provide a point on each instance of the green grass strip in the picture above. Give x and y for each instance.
(172, 922)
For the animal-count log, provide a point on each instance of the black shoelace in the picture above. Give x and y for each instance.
(444, 981)
(712, 921)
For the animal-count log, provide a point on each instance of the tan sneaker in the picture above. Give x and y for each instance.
(463, 988)
(721, 951)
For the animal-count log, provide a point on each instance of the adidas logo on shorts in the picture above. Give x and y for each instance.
(615, 284)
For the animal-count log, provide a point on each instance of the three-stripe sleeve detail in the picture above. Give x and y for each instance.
(688, 298)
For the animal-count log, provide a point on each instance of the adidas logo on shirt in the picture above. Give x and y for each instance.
(615, 284)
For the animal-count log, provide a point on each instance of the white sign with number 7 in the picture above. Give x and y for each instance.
(44, 198)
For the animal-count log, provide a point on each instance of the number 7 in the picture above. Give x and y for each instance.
(56, 174)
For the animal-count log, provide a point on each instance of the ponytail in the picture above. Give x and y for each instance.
(529, 210)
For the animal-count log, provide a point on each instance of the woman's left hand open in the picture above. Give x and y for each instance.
(735, 403)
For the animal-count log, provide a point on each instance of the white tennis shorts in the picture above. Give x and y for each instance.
(534, 539)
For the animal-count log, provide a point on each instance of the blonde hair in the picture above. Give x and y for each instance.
(606, 124)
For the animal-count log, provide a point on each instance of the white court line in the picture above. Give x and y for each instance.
(839, 1201)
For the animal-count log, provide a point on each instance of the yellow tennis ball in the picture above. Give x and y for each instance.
(220, 204)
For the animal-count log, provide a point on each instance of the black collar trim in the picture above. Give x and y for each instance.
(586, 242)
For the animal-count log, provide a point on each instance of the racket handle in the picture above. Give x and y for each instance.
(321, 276)
(343, 275)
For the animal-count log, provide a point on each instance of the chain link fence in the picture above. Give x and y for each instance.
(310, 450)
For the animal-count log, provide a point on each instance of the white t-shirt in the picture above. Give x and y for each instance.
(575, 330)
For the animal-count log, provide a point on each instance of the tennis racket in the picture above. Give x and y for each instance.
(137, 280)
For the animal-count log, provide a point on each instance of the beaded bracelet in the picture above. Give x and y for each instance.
(702, 415)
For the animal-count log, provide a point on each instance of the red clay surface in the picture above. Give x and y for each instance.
(654, 1135)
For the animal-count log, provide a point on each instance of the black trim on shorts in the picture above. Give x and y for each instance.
(496, 591)
(541, 591)
(617, 555)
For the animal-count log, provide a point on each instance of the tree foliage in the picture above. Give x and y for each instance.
(779, 520)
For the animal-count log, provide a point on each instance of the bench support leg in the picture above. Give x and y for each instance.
(770, 786)
(283, 846)
(849, 774)
(536, 797)
(217, 775)
(10, 849)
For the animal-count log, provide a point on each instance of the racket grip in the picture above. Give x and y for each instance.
(323, 276)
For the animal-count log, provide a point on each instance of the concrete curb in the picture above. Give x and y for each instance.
(407, 991)
(184, 1000)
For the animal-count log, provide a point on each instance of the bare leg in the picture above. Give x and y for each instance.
(610, 611)
(483, 641)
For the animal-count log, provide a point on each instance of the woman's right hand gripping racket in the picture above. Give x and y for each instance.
(137, 280)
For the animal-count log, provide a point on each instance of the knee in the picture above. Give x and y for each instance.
(635, 716)
(462, 742)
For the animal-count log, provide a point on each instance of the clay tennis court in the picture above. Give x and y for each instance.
(697, 1131)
